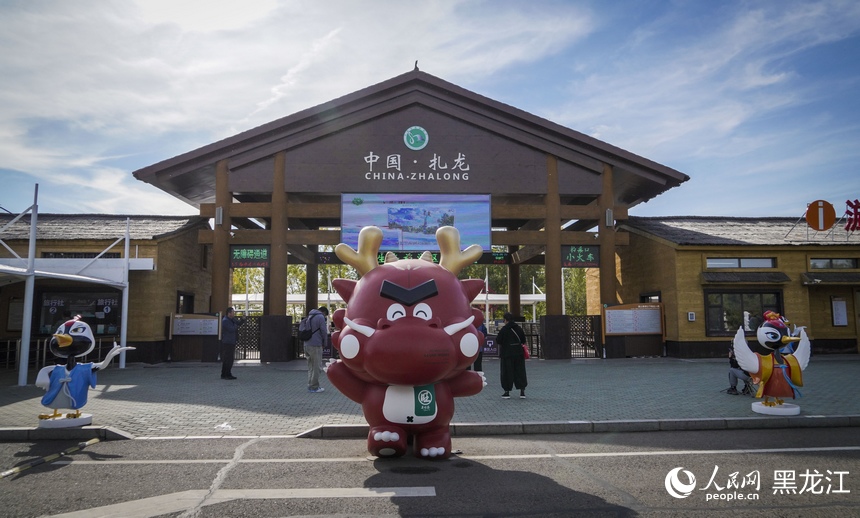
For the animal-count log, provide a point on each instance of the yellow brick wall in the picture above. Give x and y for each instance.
(152, 294)
(651, 265)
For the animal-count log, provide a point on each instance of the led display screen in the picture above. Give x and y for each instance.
(409, 221)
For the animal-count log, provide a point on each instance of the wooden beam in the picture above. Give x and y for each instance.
(313, 210)
(302, 254)
(527, 252)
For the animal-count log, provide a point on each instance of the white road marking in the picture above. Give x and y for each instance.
(184, 500)
(471, 457)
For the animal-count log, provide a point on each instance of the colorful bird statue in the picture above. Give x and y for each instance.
(67, 384)
(780, 373)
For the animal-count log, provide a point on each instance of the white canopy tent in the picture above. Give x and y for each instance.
(111, 272)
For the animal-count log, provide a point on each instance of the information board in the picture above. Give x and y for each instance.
(633, 319)
(206, 325)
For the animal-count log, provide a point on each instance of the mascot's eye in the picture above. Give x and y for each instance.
(423, 311)
(395, 311)
(772, 335)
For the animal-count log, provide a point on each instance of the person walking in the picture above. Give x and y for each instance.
(229, 331)
(513, 363)
(314, 347)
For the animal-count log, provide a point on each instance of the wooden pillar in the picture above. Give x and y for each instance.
(552, 228)
(514, 305)
(276, 289)
(221, 241)
(312, 287)
(606, 240)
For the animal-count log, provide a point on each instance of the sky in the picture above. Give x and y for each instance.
(756, 101)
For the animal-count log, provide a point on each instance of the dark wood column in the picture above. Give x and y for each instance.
(552, 227)
(221, 240)
(606, 239)
(276, 289)
(514, 306)
(312, 287)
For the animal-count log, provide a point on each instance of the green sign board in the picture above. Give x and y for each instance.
(249, 256)
(580, 256)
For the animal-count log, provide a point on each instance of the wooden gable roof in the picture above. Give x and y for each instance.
(191, 177)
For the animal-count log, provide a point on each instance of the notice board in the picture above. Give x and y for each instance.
(196, 325)
(633, 319)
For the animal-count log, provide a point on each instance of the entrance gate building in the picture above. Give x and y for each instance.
(279, 185)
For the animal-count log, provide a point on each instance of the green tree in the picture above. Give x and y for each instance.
(574, 291)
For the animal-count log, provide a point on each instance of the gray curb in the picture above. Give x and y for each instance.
(644, 425)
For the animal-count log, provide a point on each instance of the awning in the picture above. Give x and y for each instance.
(745, 278)
(99, 271)
(841, 278)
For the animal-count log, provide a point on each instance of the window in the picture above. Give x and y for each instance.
(184, 302)
(729, 310)
(741, 262)
(79, 255)
(102, 310)
(650, 297)
(204, 258)
(833, 264)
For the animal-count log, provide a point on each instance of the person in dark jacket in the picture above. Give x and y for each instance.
(513, 363)
(314, 346)
(735, 374)
(229, 331)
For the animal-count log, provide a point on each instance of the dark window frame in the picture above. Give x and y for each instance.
(739, 262)
(80, 255)
(725, 307)
(853, 265)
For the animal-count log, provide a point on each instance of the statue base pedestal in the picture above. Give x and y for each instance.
(66, 422)
(783, 409)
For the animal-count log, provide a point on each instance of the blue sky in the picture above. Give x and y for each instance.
(757, 101)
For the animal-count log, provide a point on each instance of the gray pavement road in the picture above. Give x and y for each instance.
(190, 400)
(787, 472)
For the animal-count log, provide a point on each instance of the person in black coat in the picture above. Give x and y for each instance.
(513, 363)
(229, 334)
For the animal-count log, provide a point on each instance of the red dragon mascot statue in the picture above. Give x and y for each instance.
(405, 340)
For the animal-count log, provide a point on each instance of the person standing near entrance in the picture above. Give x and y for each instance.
(229, 331)
(314, 347)
(513, 363)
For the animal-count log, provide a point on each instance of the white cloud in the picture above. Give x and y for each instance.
(95, 89)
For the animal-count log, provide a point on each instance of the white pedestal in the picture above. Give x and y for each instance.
(66, 422)
(783, 409)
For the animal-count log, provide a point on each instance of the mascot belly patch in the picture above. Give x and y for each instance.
(409, 405)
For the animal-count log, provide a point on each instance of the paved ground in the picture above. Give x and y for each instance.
(190, 400)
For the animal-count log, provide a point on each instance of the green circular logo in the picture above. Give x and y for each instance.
(416, 138)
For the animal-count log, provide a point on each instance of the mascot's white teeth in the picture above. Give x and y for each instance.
(453, 328)
(365, 330)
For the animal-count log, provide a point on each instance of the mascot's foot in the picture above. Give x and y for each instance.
(383, 442)
(62, 421)
(761, 407)
(433, 446)
(55, 415)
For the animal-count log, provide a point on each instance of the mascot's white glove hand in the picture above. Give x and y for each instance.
(483, 378)
(331, 361)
